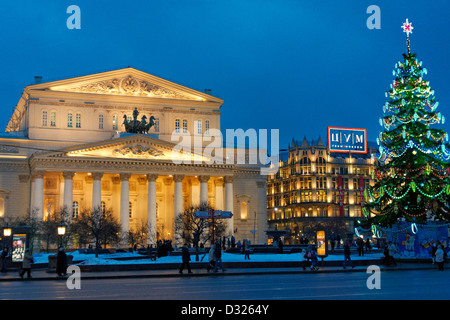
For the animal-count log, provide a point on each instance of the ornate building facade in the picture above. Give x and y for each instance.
(314, 184)
(66, 145)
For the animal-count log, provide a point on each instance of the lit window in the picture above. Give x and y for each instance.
(78, 120)
(53, 118)
(199, 126)
(44, 118)
(69, 120)
(75, 210)
(114, 122)
(244, 211)
(103, 207)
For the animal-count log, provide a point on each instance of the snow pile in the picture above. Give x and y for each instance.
(135, 258)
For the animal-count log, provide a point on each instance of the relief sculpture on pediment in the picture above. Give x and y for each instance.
(128, 85)
(138, 151)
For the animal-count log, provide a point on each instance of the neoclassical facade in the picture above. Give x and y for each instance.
(66, 146)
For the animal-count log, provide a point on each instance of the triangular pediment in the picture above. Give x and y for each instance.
(125, 82)
(132, 146)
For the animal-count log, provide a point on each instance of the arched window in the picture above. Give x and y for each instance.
(156, 125)
(69, 120)
(177, 125)
(75, 210)
(184, 126)
(53, 119)
(243, 210)
(78, 120)
(199, 127)
(100, 121)
(114, 122)
(44, 118)
(207, 126)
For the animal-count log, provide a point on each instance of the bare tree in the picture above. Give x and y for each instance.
(97, 226)
(194, 230)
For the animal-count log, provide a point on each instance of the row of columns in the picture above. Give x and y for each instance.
(38, 196)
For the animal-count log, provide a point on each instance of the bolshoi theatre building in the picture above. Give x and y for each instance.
(71, 143)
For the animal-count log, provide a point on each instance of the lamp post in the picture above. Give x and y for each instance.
(61, 232)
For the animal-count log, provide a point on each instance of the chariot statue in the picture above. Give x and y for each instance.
(136, 126)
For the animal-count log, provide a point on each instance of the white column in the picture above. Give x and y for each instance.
(178, 203)
(151, 207)
(38, 205)
(96, 190)
(229, 204)
(261, 213)
(68, 192)
(203, 189)
(219, 194)
(124, 204)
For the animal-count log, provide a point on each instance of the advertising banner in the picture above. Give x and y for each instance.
(341, 196)
(347, 140)
(321, 243)
(18, 247)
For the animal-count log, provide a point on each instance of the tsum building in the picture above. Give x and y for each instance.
(67, 145)
(314, 184)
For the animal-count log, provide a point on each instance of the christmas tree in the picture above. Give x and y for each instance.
(412, 175)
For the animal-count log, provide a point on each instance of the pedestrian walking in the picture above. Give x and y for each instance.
(61, 263)
(433, 251)
(314, 260)
(360, 245)
(218, 257)
(303, 255)
(332, 241)
(185, 257)
(368, 246)
(338, 241)
(392, 249)
(26, 264)
(247, 249)
(347, 255)
(4, 257)
(439, 258)
(211, 259)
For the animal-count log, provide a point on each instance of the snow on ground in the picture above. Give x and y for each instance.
(108, 259)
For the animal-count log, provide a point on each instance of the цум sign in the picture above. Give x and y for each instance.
(347, 140)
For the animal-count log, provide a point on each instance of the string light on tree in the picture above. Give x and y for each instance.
(412, 176)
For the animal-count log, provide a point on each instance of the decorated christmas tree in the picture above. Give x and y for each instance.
(412, 177)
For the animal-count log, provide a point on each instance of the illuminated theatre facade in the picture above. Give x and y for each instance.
(66, 146)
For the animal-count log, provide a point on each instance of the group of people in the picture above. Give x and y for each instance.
(214, 258)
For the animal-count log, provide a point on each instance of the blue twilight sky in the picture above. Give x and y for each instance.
(293, 65)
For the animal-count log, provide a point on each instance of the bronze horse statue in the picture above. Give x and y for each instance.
(136, 126)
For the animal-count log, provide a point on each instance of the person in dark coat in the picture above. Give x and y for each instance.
(186, 257)
(4, 257)
(347, 255)
(61, 262)
(280, 245)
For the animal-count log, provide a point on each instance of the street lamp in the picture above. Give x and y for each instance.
(61, 231)
(7, 231)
